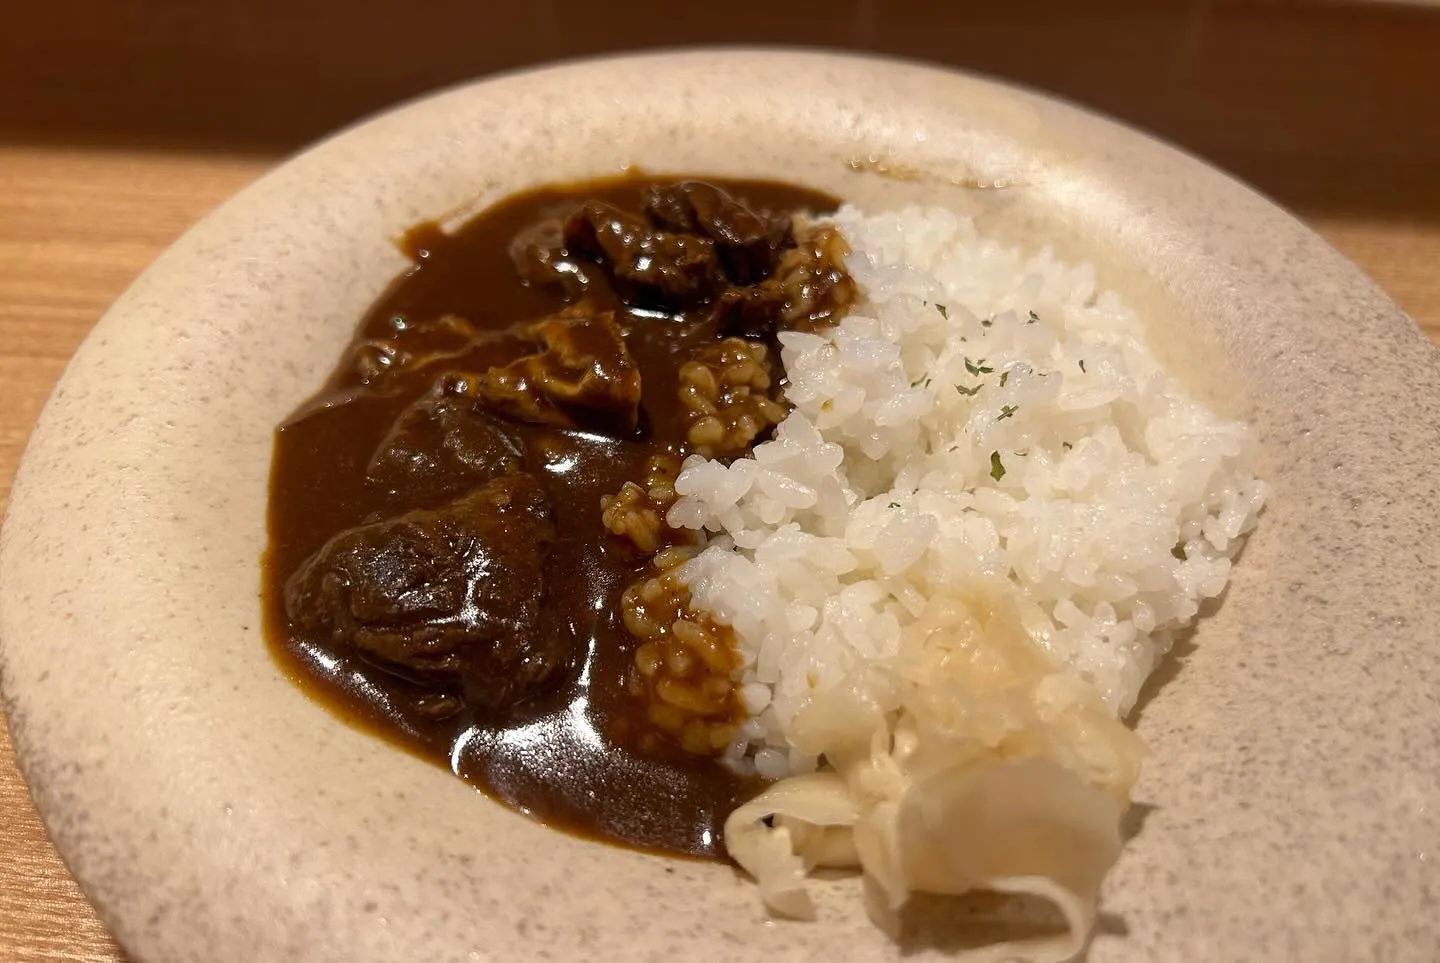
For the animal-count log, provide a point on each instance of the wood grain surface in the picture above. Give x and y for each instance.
(1331, 108)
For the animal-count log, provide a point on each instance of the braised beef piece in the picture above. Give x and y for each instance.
(752, 312)
(582, 376)
(649, 268)
(440, 447)
(541, 258)
(695, 243)
(748, 242)
(809, 289)
(409, 345)
(454, 594)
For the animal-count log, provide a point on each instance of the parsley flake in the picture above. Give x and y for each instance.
(997, 467)
(1033, 318)
(968, 392)
(1004, 377)
(944, 311)
(894, 504)
(977, 367)
(1066, 445)
(1082, 364)
(1007, 411)
(987, 321)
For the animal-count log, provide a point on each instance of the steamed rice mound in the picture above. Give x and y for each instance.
(952, 569)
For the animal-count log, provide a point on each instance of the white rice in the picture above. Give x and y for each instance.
(880, 490)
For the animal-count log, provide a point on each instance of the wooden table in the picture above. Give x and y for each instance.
(1341, 121)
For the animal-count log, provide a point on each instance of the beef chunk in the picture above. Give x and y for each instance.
(748, 242)
(809, 289)
(410, 345)
(649, 268)
(541, 258)
(440, 447)
(582, 376)
(454, 594)
(754, 312)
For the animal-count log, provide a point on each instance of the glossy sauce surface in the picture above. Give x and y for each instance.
(574, 755)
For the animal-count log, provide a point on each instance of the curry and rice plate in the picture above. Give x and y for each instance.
(849, 541)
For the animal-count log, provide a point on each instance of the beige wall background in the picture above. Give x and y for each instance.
(1330, 105)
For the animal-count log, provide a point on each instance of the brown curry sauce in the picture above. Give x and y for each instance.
(396, 463)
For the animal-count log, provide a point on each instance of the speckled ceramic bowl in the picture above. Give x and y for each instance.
(214, 813)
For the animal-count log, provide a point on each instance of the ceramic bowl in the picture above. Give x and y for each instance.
(212, 811)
